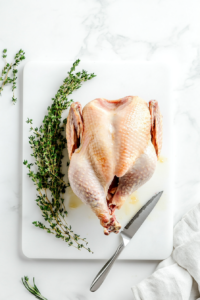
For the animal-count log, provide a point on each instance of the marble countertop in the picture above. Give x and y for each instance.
(156, 30)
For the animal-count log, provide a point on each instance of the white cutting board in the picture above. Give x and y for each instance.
(114, 80)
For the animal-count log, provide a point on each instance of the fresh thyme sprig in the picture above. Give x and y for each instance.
(6, 70)
(32, 289)
(48, 143)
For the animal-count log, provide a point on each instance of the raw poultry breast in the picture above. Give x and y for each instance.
(113, 147)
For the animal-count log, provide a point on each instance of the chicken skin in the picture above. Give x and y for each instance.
(113, 147)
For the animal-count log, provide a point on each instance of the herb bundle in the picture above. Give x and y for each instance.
(48, 143)
(5, 79)
(32, 289)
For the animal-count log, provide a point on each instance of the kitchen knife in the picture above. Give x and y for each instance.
(126, 234)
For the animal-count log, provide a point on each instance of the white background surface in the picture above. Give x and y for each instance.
(159, 30)
(155, 238)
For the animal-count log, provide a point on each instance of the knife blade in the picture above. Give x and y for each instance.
(127, 233)
(134, 224)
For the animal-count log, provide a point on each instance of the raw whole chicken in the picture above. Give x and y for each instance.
(113, 147)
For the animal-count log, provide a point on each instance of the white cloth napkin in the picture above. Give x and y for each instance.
(177, 277)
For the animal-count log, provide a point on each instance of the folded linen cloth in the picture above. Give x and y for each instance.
(174, 277)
